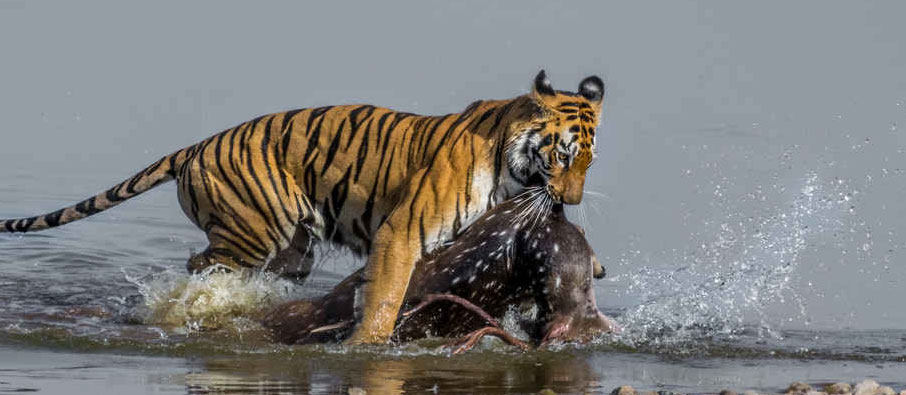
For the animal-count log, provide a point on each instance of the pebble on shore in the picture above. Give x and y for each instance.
(798, 388)
(838, 388)
(865, 387)
(623, 390)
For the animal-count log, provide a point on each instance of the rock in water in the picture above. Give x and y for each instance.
(885, 391)
(866, 387)
(838, 388)
(623, 390)
(798, 388)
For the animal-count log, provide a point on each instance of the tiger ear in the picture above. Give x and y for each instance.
(542, 85)
(592, 88)
(542, 90)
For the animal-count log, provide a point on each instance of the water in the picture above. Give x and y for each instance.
(747, 200)
(106, 303)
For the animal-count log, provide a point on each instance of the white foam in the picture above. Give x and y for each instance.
(209, 300)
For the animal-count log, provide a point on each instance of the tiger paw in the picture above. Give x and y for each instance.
(363, 336)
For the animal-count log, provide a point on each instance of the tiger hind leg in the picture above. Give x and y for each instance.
(248, 219)
(295, 262)
(292, 259)
(221, 258)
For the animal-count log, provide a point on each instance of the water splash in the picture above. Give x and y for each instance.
(209, 300)
(724, 288)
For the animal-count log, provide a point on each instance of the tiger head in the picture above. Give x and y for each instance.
(554, 143)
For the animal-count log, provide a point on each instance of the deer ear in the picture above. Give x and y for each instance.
(542, 86)
(592, 88)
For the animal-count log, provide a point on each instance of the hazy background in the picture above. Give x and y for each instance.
(722, 120)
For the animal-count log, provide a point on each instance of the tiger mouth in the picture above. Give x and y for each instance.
(553, 193)
(536, 180)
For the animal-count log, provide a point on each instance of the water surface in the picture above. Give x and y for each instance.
(747, 201)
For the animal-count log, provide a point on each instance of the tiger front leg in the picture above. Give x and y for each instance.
(388, 272)
(418, 220)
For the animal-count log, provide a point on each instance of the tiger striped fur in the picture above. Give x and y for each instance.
(389, 184)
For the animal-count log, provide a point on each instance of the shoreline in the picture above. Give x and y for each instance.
(57, 370)
(864, 387)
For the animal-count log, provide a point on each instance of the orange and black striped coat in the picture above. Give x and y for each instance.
(388, 184)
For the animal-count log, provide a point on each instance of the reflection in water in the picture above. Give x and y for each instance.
(410, 369)
(481, 372)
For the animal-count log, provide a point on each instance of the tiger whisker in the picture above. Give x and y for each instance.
(527, 200)
(535, 208)
(548, 204)
(596, 194)
(583, 214)
(599, 197)
(541, 207)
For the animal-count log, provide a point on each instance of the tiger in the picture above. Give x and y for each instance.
(389, 185)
